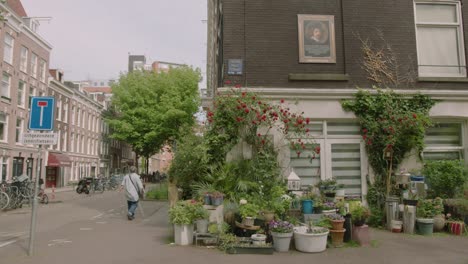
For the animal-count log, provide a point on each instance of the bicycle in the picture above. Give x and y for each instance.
(43, 198)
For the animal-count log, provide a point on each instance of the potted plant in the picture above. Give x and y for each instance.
(425, 217)
(337, 221)
(439, 217)
(340, 191)
(359, 215)
(282, 232)
(337, 231)
(182, 217)
(310, 239)
(217, 198)
(248, 212)
(201, 215)
(207, 198)
(329, 208)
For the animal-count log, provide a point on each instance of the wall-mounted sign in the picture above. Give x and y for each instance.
(235, 66)
(316, 39)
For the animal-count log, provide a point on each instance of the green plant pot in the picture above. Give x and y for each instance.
(425, 226)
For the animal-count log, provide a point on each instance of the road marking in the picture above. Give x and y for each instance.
(12, 234)
(97, 216)
(101, 222)
(111, 210)
(58, 242)
(85, 229)
(8, 243)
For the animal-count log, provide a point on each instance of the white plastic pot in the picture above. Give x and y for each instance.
(309, 242)
(258, 239)
(281, 241)
(183, 234)
(340, 193)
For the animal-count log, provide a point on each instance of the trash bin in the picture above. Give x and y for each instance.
(392, 210)
(409, 217)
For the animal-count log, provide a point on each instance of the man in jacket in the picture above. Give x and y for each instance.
(133, 188)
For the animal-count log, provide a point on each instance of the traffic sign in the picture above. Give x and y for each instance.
(39, 138)
(42, 113)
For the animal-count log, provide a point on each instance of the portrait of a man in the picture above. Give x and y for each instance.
(316, 39)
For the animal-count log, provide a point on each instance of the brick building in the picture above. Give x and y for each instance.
(269, 46)
(24, 65)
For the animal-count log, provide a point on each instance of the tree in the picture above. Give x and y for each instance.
(149, 109)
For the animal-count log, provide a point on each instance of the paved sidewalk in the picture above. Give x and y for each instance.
(111, 238)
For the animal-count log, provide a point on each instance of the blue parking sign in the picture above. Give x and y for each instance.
(42, 113)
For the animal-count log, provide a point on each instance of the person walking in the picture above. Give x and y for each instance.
(133, 191)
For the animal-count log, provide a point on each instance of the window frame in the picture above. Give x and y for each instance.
(19, 130)
(34, 65)
(462, 149)
(460, 42)
(8, 57)
(24, 60)
(21, 104)
(5, 128)
(8, 92)
(42, 70)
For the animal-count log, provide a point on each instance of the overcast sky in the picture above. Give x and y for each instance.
(92, 38)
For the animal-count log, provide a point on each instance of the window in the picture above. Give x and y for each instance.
(42, 70)
(79, 117)
(82, 144)
(34, 65)
(78, 143)
(440, 39)
(4, 168)
(21, 93)
(341, 156)
(65, 112)
(29, 167)
(19, 129)
(3, 126)
(73, 115)
(32, 92)
(24, 59)
(59, 110)
(18, 166)
(72, 142)
(65, 143)
(5, 92)
(59, 141)
(90, 122)
(8, 48)
(444, 142)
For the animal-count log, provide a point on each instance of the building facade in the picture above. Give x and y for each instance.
(312, 52)
(24, 65)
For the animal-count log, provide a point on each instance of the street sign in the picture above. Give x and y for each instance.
(39, 138)
(42, 113)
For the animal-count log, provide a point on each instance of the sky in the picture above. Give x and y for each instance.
(91, 39)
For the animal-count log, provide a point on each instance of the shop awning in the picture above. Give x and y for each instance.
(58, 160)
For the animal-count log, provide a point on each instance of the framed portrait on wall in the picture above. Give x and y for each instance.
(316, 39)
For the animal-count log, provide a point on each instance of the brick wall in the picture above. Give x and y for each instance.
(264, 33)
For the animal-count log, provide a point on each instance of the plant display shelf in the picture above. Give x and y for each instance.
(205, 237)
(253, 228)
(244, 246)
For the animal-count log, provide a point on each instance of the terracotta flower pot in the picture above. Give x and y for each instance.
(337, 237)
(337, 224)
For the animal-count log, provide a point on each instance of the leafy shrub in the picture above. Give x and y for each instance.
(445, 177)
(185, 212)
(190, 163)
(158, 193)
(376, 219)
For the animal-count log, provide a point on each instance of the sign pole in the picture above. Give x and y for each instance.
(34, 205)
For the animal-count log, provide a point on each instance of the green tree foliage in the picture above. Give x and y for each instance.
(148, 108)
(445, 177)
